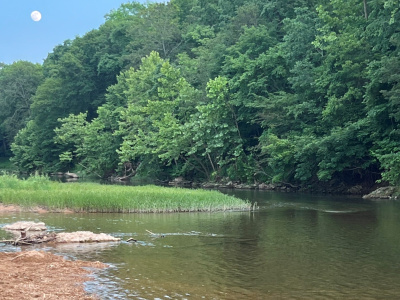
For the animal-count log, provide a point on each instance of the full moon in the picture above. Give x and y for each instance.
(36, 16)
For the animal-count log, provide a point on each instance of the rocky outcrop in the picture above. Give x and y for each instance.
(24, 234)
(388, 192)
(84, 237)
(227, 184)
(26, 226)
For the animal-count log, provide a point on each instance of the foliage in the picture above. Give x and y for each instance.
(91, 145)
(18, 84)
(298, 91)
(5, 164)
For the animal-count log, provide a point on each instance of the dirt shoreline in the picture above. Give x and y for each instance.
(30, 275)
(43, 275)
(16, 208)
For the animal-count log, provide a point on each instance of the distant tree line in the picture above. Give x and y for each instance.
(300, 91)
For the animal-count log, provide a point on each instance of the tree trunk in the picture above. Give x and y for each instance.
(365, 9)
(4, 146)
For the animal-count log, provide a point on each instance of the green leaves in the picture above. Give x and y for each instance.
(301, 91)
(18, 84)
(163, 119)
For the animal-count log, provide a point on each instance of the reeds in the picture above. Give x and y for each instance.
(93, 197)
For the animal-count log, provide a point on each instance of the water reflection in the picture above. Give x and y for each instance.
(294, 247)
(83, 248)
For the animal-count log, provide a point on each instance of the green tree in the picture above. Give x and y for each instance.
(382, 97)
(27, 155)
(215, 132)
(18, 84)
(155, 28)
(35, 141)
(297, 92)
(158, 102)
(77, 75)
(91, 145)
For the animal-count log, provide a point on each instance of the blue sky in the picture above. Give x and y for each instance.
(23, 39)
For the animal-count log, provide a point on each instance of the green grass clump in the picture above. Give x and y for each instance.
(93, 197)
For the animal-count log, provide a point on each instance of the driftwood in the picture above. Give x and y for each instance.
(25, 239)
(63, 237)
(155, 234)
(131, 240)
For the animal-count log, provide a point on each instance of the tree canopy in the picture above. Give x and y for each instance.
(303, 92)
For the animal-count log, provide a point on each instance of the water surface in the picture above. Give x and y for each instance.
(294, 247)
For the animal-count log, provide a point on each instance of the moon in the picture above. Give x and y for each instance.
(36, 16)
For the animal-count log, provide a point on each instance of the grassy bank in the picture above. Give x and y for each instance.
(92, 197)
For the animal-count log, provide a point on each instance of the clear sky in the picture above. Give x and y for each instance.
(21, 38)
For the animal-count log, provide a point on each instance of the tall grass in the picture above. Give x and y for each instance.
(93, 197)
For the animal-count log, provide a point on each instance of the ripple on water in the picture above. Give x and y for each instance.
(317, 250)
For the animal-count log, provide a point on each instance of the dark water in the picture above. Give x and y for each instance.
(294, 247)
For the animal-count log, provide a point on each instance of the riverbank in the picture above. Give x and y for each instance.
(39, 191)
(7, 208)
(42, 275)
(330, 187)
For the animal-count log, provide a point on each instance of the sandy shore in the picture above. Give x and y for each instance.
(42, 275)
(17, 208)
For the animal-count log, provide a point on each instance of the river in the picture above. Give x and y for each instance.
(296, 246)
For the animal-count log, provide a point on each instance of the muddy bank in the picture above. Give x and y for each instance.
(329, 187)
(42, 275)
(41, 210)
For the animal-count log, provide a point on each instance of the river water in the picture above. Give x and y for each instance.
(294, 247)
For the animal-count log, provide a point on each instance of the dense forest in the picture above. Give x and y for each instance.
(304, 92)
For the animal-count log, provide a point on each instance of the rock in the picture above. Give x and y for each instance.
(71, 175)
(119, 178)
(24, 237)
(382, 193)
(264, 186)
(22, 226)
(180, 181)
(243, 186)
(84, 237)
(209, 185)
(355, 190)
(229, 184)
